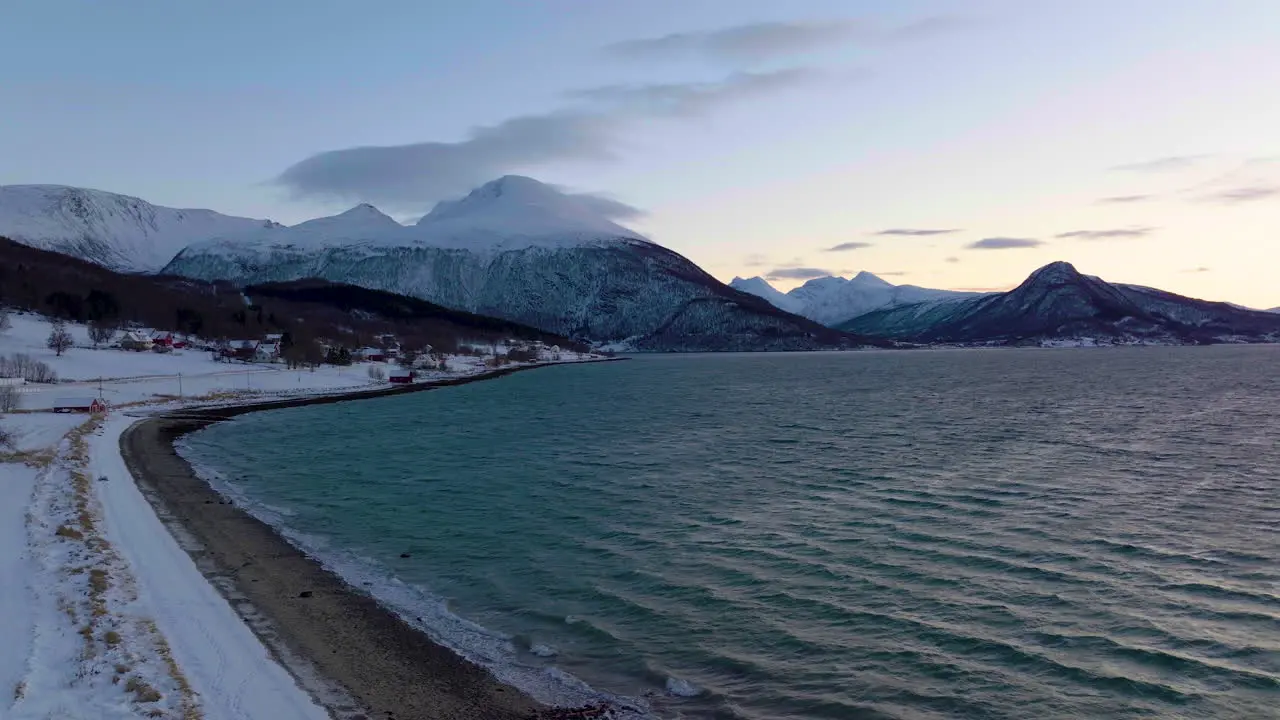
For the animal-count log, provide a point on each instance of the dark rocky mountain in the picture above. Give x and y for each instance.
(60, 286)
(1057, 304)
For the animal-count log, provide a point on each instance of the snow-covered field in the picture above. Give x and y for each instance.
(123, 377)
(103, 615)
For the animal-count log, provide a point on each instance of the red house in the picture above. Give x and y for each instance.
(79, 404)
(401, 377)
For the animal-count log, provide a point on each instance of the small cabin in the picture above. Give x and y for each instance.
(240, 350)
(401, 377)
(79, 404)
(372, 354)
(136, 340)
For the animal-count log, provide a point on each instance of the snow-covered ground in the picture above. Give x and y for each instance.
(123, 377)
(103, 615)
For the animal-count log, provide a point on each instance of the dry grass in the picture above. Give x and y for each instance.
(189, 707)
(68, 532)
(142, 692)
(34, 458)
(86, 529)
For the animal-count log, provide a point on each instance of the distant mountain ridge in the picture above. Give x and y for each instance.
(116, 231)
(1059, 304)
(834, 300)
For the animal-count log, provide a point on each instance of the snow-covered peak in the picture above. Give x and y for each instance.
(832, 300)
(1056, 273)
(867, 279)
(517, 211)
(363, 218)
(761, 288)
(118, 231)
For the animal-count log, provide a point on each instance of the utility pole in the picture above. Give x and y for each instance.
(179, 386)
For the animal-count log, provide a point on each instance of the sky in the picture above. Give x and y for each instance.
(945, 144)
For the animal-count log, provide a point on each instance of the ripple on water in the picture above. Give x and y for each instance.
(920, 535)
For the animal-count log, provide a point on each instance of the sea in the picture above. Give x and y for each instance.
(1006, 533)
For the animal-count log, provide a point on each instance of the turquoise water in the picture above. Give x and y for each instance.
(950, 534)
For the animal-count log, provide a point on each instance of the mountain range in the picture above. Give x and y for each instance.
(835, 300)
(1059, 304)
(514, 248)
(524, 251)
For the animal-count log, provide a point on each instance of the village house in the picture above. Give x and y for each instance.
(267, 351)
(244, 350)
(79, 404)
(164, 338)
(136, 340)
(401, 377)
(371, 354)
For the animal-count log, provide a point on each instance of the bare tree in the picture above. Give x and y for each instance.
(101, 332)
(10, 398)
(407, 358)
(5, 323)
(6, 437)
(376, 373)
(26, 367)
(59, 338)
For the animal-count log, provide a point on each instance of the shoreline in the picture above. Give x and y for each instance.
(309, 618)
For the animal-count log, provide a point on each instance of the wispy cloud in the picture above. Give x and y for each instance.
(1197, 270)
(764, 40)
(1248, 193)
(843, 247)
(890, 273)
(755, 260)
(1004, 243)
(741, 42)
(413, 177)
(417, 175)
(1125, 199)
(953, 259)
(1112, 234)
(694, 98)
(797, 273)
(917, 232)
(1162, 165)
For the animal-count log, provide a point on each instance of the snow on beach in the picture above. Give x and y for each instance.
(103, 613)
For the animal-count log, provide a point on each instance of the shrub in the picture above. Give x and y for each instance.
(376, 373)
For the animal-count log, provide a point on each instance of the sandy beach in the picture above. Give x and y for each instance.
(300, 609)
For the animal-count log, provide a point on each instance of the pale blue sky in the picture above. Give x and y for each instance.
(751, 150)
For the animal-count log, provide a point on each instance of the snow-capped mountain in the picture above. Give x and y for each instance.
(761, 288)
(522, 250)
(1057, 303)
(116, 231)
(835, 300)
